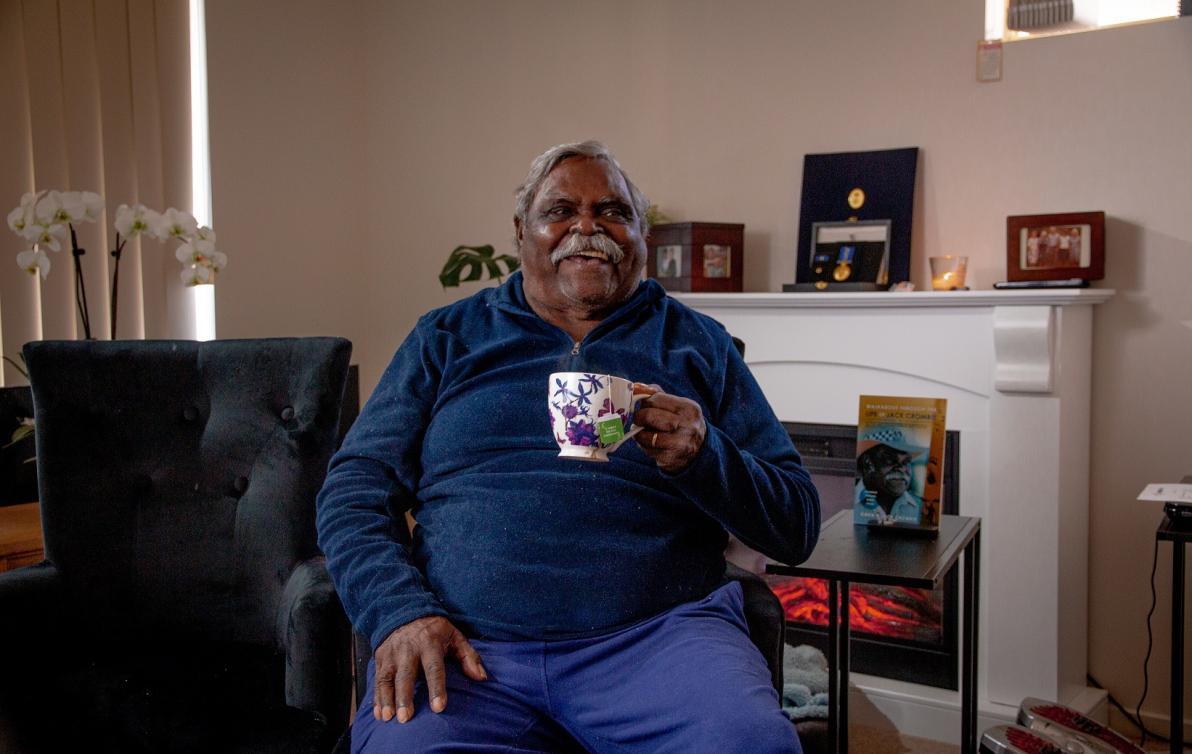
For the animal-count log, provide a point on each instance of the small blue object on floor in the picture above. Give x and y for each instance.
(805, 683)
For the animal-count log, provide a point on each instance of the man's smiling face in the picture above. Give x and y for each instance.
(887, 471)
(581, 245)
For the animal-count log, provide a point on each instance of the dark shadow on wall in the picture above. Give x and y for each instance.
(1149, 271)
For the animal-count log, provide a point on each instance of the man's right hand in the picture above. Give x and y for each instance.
(422, 643)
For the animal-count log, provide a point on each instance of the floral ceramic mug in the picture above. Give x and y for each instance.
(591, 415)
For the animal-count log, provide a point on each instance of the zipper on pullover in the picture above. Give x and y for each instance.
(512, 305)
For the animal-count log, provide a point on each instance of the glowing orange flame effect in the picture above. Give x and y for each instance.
(887, 611)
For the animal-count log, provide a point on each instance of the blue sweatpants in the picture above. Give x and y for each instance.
(688, 680)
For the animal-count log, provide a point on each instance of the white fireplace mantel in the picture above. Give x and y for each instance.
(1015, 368)
(908, 300)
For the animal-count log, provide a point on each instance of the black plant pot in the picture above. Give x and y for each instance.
(18, 474)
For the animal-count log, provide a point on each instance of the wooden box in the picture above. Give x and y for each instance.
(696, 256)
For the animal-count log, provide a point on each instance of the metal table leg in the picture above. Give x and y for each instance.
(844, 663)
(833, 669)
(968, 688)
(1177, 647)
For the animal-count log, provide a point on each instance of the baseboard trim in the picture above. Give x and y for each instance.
(934, 714)
(1156, 722)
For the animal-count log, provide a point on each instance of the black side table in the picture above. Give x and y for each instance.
(1178, 538)
(848, 553)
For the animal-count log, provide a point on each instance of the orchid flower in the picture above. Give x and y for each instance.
(16, 220)
(175, 223)
(72, 209)
(201, 251)
(47, 208)
(135, 220)
(44, 235)
(79, 206)
(201, 261)
(44, 218)
(194, 252)
(197, 274)
(23, 216)
(93, 205)
(34, 261)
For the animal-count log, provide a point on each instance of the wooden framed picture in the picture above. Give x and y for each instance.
(696, 256)
(1055, 247)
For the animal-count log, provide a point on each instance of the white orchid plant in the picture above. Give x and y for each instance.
(44, 218)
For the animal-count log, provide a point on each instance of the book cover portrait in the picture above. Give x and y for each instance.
(900, 452)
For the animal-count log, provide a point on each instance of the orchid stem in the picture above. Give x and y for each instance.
(17, 367)
(80, 284)
(116, 280)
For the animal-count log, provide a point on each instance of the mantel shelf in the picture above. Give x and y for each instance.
(911, 300)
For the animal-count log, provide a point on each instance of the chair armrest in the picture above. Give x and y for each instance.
(31, 601)
(766, 619)
(315, 636)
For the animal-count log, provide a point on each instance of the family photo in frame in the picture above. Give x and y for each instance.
(1055, 247)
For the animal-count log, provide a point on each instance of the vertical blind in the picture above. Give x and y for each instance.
(95, 97)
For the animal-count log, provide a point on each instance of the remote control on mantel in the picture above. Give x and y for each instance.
(1065, 283)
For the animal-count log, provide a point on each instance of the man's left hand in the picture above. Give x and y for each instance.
(673, 429)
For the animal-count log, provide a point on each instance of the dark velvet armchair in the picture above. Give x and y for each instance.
(183, 605)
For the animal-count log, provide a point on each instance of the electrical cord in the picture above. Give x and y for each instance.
(1135, 721)
(1146, 661)
(1136, 718)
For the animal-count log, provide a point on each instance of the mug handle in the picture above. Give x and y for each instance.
(640, 392)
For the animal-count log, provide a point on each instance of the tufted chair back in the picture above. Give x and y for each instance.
(178, 478)
(177, 482)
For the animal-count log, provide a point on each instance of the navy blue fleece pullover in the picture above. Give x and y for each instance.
(515, 543)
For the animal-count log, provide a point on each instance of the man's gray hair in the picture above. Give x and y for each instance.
(546, 162)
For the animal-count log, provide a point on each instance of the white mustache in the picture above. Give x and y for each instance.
(577, 243)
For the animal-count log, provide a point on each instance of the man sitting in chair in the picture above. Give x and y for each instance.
(544, 603)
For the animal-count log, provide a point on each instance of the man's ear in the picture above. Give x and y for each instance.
(517, 231)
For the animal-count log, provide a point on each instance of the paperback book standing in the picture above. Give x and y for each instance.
(900, 455)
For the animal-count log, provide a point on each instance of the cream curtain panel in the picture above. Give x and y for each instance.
(94, 96)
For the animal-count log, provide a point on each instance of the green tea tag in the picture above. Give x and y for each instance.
(611, 429)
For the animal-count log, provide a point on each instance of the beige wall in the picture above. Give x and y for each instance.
(288, 167)
(351, 153)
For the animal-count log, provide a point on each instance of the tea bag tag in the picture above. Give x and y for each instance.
(610, 429)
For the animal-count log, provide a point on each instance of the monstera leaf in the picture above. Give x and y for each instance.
(469, 263)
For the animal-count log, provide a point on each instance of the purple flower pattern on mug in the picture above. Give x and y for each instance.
(575, 407)
(581, 433)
